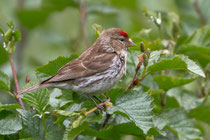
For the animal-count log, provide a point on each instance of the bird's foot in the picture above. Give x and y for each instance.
(102, 101)
(101, 108)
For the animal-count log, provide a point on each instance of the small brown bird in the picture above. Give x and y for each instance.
(95, 71)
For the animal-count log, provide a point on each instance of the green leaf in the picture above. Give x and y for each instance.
(59, 5)
(183, 125)
(115, 132)
(137, 107)
(201, 113)
(199, 37)
(114, 93)
(6, 114)
(54, 132)
(197, 46)
(172, 26)
(11, 37)
(54, 95)
(10, 24)
(179, 62)
(154, 16)
(188, 15)
(203, 5)
(168, 82)
(71, 132)
(160, 121)
(33, 127)
(185, 98)
(4, 54)
(150, 82)
(169, 136)
(53, 66)
(66, 113)
(124, 4)
(98, 29)
(10, 106)
(38, 99)
(2, 31)
(32, 18)
(17, 35)
(100, 9)
(4, 82)
(10, 126)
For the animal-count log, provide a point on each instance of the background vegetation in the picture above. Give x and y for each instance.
(170, 95)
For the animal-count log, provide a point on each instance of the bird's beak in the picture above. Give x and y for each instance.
(130, 43)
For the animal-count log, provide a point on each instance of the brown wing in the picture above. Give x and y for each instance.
(83, 67)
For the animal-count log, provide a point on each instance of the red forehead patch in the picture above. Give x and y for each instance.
(123, 33)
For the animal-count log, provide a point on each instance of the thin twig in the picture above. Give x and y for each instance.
(135, 80)
(21, 45)
(108, 116)
(198, 11)
(163, 100)
(16, 82)
(83, 17)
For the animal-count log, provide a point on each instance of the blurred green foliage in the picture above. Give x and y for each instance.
(170, 102)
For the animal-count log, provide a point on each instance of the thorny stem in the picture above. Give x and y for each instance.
(16, 82)
(198, 11)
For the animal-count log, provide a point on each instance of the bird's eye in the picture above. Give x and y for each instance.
(121, 39)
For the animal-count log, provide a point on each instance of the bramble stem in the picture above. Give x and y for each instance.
(16, 81)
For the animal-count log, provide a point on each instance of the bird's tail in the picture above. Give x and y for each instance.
(33, 88)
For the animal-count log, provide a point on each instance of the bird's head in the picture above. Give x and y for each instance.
(118, 38)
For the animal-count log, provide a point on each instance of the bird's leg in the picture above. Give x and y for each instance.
(97, 105)
(101, 101)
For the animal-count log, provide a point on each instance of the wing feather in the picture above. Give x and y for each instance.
(83, 67)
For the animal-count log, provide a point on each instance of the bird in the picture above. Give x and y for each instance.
(95, 71)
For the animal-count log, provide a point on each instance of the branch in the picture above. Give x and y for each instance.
(143, 59)
(21, 45)
(108, 116)
(136, 80)
(15, 79)
(198, 11)
(83, 17)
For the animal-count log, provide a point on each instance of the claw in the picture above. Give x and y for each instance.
(101, 108)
